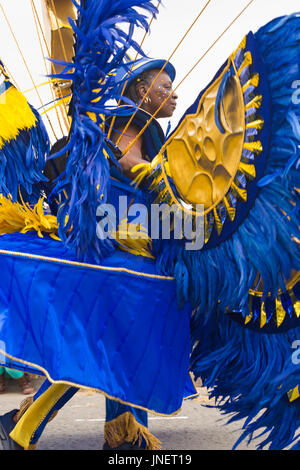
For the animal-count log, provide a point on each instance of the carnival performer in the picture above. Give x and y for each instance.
(125, 426)
(129, 316)
(19, 377)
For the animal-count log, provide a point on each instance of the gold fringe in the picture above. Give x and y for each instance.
(31, 447)
(125, 428)
(25, 404)
(156, 181)
(144, 170)
(28, 423)
(53, 415)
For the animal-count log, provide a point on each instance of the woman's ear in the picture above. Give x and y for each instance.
(142, 90)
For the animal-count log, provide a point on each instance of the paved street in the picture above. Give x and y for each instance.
(79, 425)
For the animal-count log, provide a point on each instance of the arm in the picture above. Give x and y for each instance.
(134, 156)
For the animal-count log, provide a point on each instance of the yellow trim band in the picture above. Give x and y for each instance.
(85, 387)
(84, 265)
(289, 285)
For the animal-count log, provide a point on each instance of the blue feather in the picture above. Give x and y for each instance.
(243, 370)
(86, 178)
(250, 372)
(22, 161)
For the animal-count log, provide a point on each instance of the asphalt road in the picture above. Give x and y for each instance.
(79, 425)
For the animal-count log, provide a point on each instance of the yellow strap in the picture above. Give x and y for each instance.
(34, 416)
(26, 65)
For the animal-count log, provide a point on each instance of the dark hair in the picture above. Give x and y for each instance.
(145, 77)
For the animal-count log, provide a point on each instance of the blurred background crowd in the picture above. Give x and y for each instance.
(12, 376)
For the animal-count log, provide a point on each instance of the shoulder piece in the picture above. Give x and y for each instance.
(153, 137)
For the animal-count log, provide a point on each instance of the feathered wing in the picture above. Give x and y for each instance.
(235, 153)
(24, 143)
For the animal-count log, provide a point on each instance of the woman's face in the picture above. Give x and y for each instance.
(160, 92)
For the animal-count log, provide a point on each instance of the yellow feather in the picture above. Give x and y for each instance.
(248, 170)
(253, 146)
(255, 103)
(254, 81)
(134, 239)
(230, 210)
(20, 217)
(15, 115)
(242, 193)
(258, 124)
(218, 222)
(247, 61)
(293, 394)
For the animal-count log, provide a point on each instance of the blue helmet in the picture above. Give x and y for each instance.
(130, 73)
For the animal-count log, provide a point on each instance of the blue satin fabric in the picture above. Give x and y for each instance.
(114, 409)
(118, 332)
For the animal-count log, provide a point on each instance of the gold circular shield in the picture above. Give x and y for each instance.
(203, 161)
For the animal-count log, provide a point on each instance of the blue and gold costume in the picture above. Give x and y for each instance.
(111, 317)
(89, 314)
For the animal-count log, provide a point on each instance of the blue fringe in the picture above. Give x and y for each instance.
(86, 179)
(22, 161)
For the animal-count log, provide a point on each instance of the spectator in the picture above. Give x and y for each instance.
(20, 378)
